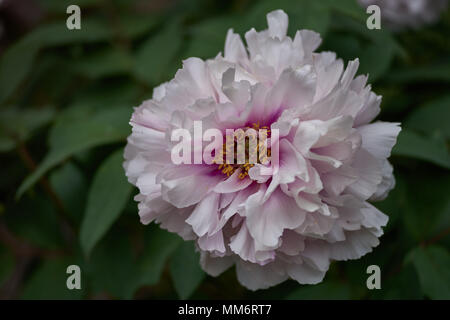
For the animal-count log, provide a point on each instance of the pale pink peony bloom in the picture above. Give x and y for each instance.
(403, 14)
(311, 211)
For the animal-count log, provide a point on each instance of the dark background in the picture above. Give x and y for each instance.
(65, 101)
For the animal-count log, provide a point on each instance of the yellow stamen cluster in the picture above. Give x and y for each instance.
(261, 149)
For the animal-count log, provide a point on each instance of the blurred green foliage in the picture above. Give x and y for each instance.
(66, 99)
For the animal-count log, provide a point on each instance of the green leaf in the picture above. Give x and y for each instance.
(6, 265)
(376, 59)
(17, 61)
(159, 245)
(35, 220)
(15, 64)
(185, 270)
(126, 274)
(107, 197)
(93, 29)
(102, 96)
(348, 7)
(421, 74)
(432, 265)
(104, 63)
(70, 184)
(324, 291)
(49, 281)
(155, 55)
(67, 138)
(19, 124)
(137, 25)
(431, 149)
(432, 118)
(112, 267)
(426, 210)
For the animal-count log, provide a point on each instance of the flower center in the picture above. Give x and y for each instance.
(246, 147)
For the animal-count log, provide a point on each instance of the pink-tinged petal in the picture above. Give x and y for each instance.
(317, 254)
(278, 24)
(291, 243)
(341, 151)
(237, 92)
(200, 109)
(252, 111)
(339, 102)
(307, 134)
(216, 69)
(234, 48)
(212, 243)
(349, 73)
(350, 217)
(335, 234)
(254, 276)
(269, 56)
(190, 83)
(236, 206)
(312, 184)
(378, 138)
(316, 225)
(369, 174)
(370, 109)
(147, 184)
(329, 71)
(148, 212)
(387, 183)
(335, 182)
(151, 114)
(173, 172)
(267, 221)
(359, 83)
(313, 135)
(169, 217)
(305, 273)
(135, 163)
(148, 139)
(373, 218)
(292, 165)
(311, 40)
(323, 164)
(294, 89)
(225, 200)
(256, 173)
(357, 243)
(159, 92)
(176, 223)
(244, 246)
(205, 216)
(311, 202)
(181, 193)
(215, 265)
(286, 123)
(334, 130)
(233, 183)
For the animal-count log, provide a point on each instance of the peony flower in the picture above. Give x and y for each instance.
(403, 14)
(314, 208)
